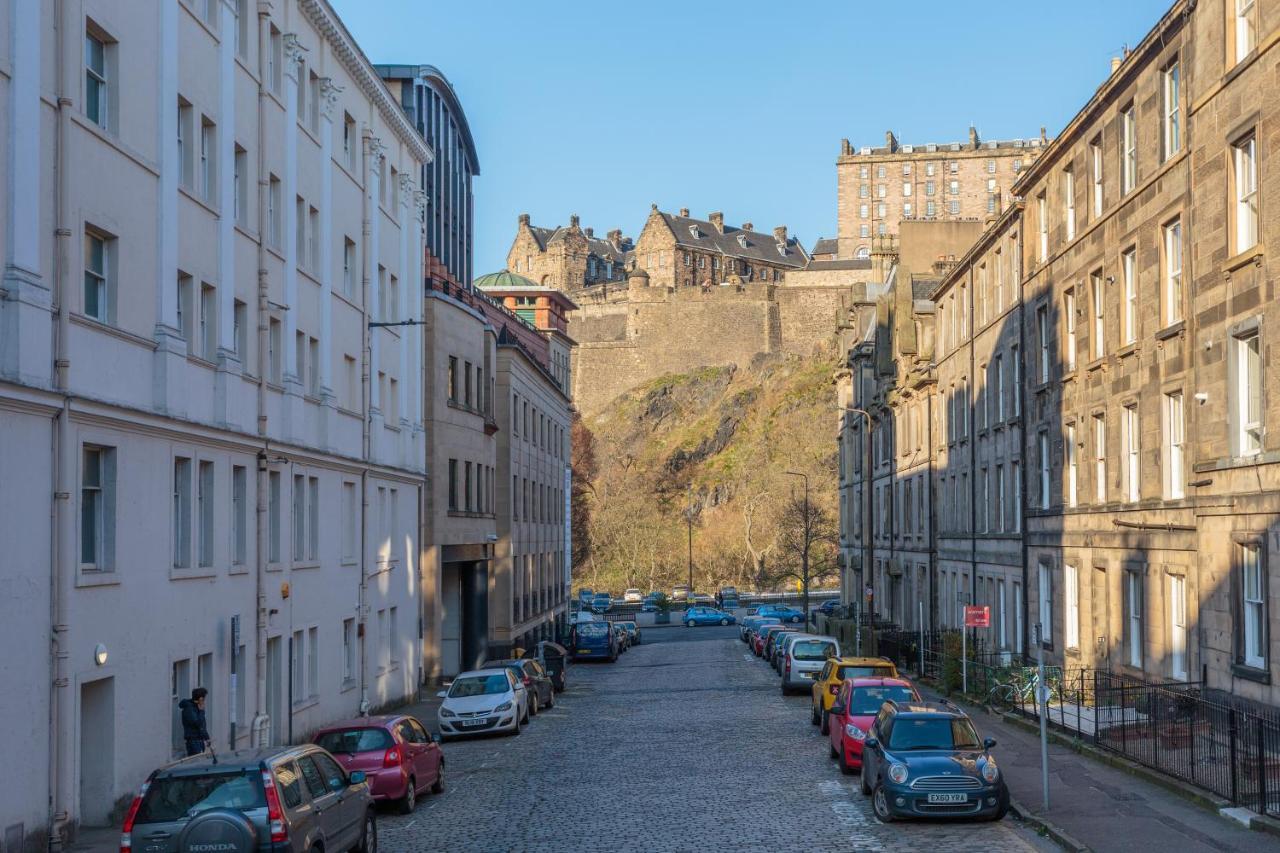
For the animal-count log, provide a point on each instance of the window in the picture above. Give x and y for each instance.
(273, 211)
(1044, 585)
(1072, 466)
(204, 514)
(864, 191)
(181, 512)
(208, 179)
(1095, 173)
(1133, 617)
(275, 61)
(1099, 315)
(207, 330)
(1044, 469)
(1001, 508)
(348, 650)
(97, 508)
(882, 191)
(1069, 201)
(1129, 273)
(242, 29)
(299, 517)
(241, 186)
(300, 231)
(1100, 457)
(1172, 272)
(1253, 604)
(1132, 450)
(1128, 149)
(313, 96)
(186, 312)
(1247, 390)
(350, 522)
(313, 239)
(906, 189)
(1016, 511)
(953, 187)
(1016, 387)
(999, 383)
(384, 305)
(313, 367)
(297, 682)
(274, 352)
(1042, 336)
(1178, 627)
(186, 152)
(1171, 110)
(240, 330)
(453, 484)
(1246, 36)
(1246, 193)
(1069, 315)
(239, 515)
(930, 188)
(97, 81)
(1071, 607)
(1174, 453)
(348, 267)
(99, 284)
(1042, 223)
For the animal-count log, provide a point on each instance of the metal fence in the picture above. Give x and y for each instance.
(1207, 738)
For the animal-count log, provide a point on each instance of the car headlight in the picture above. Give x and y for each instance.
(445, 712)
(505, 706)
(990, 772)
(898, 773)
(854, 732)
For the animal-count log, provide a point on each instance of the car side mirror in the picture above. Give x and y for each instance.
(443, 694)
(871, 743)
(435, 737)
(356, 777)
(989, 743)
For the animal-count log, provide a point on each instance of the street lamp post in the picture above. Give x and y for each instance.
(688, 516)
(807, 531)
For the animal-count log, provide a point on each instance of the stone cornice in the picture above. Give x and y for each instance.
(348, 53)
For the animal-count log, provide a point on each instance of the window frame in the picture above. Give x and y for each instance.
(1171, 270)
(1245, 207)
(1255, 601)
(1171, 109)
(1128, 148)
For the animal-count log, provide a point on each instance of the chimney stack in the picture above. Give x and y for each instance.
(590, 232)
(1115, 64)
(747, 226)
(615, 237)
(780, 234)
(573, 220)
(717, 219)
(890, 141)
(973, 137)
(524, 219)
(684, 211)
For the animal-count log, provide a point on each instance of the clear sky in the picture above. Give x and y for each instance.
(602, 109)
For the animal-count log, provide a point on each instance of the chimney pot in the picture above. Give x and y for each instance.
(590, 232)
(973, 137)
(1115, 64)
(654, 207)
(524, 219)
(684, 211)
(890, 141)
(780, 233)
(716, 218)
(573, 220)
(747, 226)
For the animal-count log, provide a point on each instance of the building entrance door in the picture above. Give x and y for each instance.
(97, 751)
(1101, 618)
(275, 709)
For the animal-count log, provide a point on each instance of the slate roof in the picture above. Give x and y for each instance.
(753, 245)
(923, 287)
(596, 245)
(824, 246)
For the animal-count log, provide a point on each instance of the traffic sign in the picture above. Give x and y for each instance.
(977, 617)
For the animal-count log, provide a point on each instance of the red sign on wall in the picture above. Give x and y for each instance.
(977, 617)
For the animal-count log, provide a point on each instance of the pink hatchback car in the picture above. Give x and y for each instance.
(398, 757)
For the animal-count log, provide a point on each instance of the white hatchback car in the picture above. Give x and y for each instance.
(481, 701)
(804, 658)
(633, 594)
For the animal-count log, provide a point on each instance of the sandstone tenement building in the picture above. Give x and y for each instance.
(878, 187)
(677, 250)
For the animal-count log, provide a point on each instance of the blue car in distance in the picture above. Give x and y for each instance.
(781, 612)
(595, 641)
(707, 616)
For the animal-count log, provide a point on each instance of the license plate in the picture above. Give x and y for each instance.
(944, 799)
(584, 651)
(806, 675)
(469, 723)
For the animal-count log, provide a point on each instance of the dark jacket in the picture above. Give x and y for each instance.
(193, 724)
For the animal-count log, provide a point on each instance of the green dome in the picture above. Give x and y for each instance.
(504, 280)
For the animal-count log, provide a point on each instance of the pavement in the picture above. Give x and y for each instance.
(1099, 807)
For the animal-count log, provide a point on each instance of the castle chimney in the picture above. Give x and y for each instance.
(973, 137)
(590, 232)
(717, 219)
(524, 219)
(615, 237)
(845, 147)
(747, 226)
(1044, 137)
(780, 234)
(890, 141)
(573, 220)
(1115, 64)
(684, 211)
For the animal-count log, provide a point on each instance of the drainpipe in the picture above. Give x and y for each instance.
(261, 721)
(368, 210)
(62, 532)
(970, 424)
(1022, 452)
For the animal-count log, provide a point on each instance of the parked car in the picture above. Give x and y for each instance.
(751, 624)
(555, 660)
(775, 657)
(855, 709)
(624, 639)
(833, 674)
(925, 760)
(484, 700)
(542, 693)
(762, 637)
(681, 592)
(782, 612)
(632, 630)
(287, 799)
(828, 607)
(702, 599)
(596, 640)
(803, 658)
(632, 594)
(585, 596)
(771, 641)
(707, 616)
(601, 603)
(399, 759)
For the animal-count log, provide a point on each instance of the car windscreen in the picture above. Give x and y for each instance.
(866, 701)
(933, 732)
(812, 649)
(177, 797)
(479, 685)
(593, 629)
(630, 626)
(350, 741)
(855, 671)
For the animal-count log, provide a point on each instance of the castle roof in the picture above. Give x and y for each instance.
(735, 242)
(824, 246)
(597, 246)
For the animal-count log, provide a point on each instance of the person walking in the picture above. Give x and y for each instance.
(195, 732)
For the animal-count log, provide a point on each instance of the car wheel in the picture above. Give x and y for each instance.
(410, 799)
(533, 705)
(832, 748)
(1000, 812)
(845, 767)
(862, 781)
(813, 714)
(438, 786)
(724, 621)
(369, 834)
(880, 804)
(826, 723)
(689, 623)
(551, 698)
(516, 729)
(795, 618)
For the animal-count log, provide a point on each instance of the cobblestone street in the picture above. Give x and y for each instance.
(684, 744)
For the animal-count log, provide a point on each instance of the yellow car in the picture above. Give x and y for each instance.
(827, 683)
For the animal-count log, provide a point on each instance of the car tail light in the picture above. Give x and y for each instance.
(788, 666)
(275, 815)
(527, 680)
(392, 757)
(126, 832)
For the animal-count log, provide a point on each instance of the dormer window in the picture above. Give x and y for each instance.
(782, 249)
(693, 229)
(742, 240)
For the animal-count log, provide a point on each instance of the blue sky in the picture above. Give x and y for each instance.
(602, 109)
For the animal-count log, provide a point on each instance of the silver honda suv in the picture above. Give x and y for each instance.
(281, 800)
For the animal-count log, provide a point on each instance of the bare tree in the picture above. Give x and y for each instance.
(808, 531)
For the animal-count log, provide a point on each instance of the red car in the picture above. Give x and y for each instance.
(762, 637)
(399, 758)
(854, 711)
